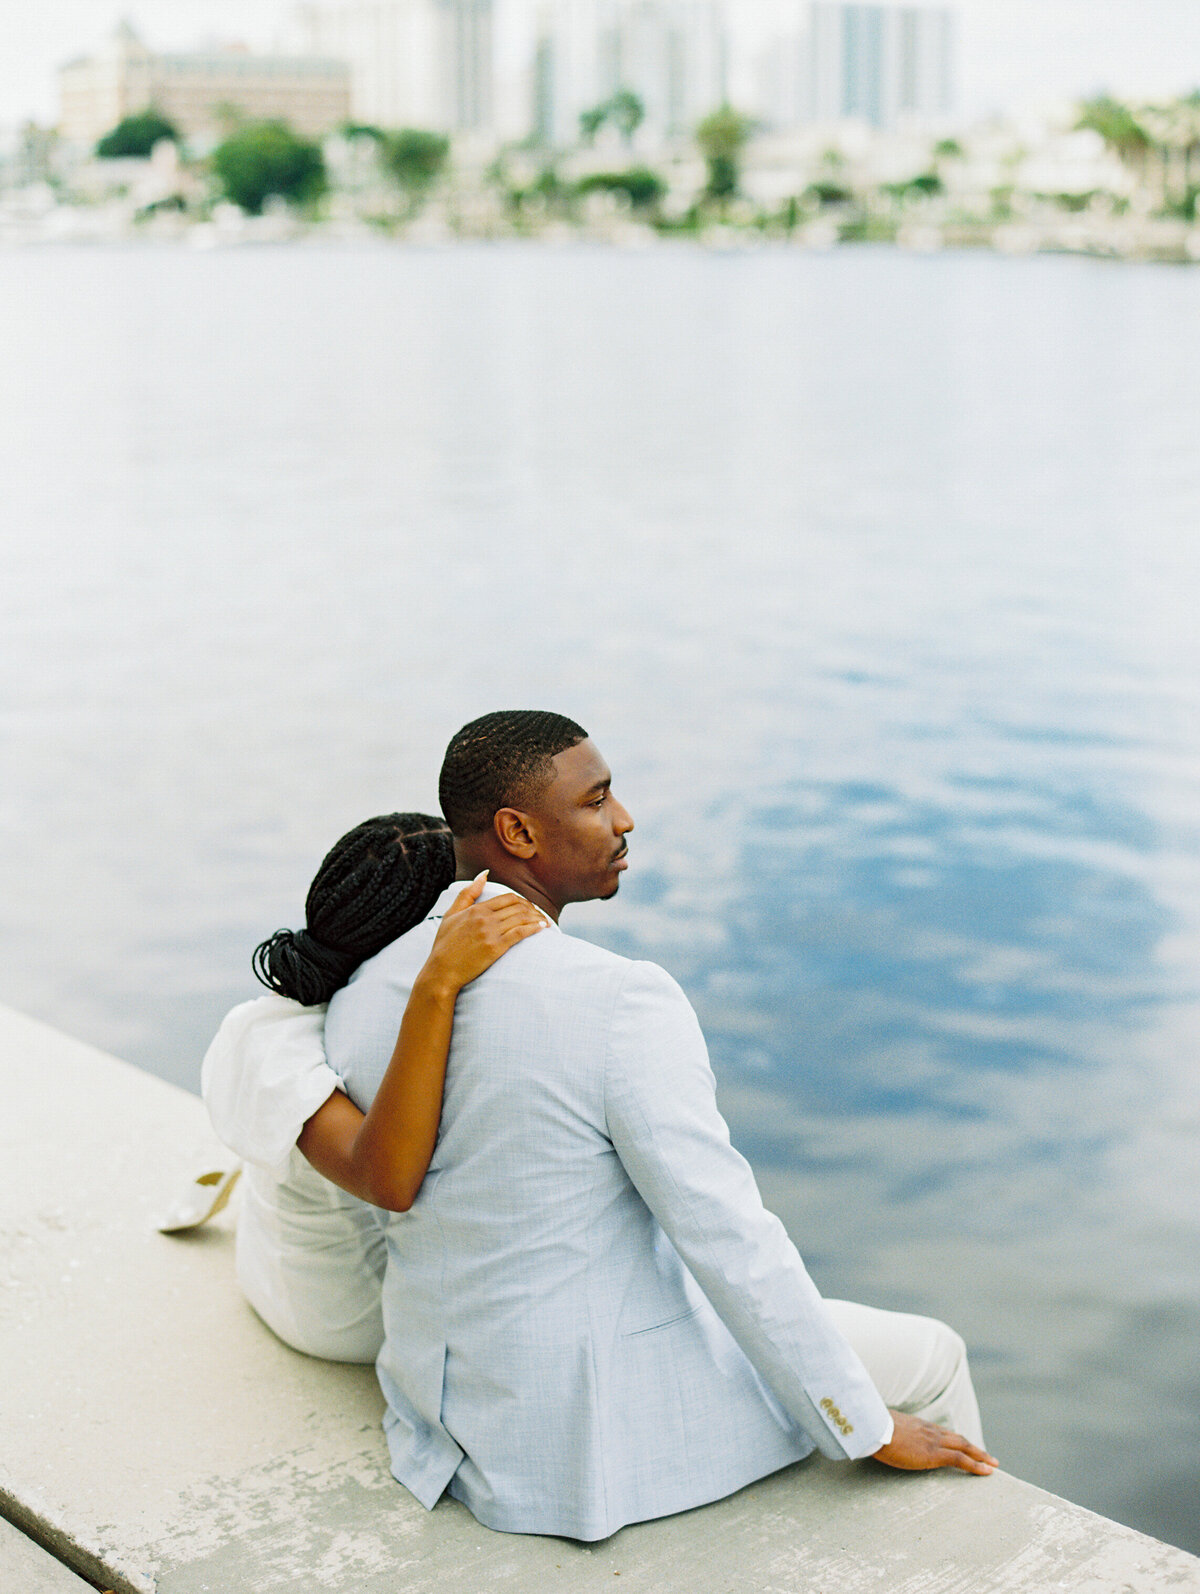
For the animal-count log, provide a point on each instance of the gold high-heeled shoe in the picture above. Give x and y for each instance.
(204, 1198)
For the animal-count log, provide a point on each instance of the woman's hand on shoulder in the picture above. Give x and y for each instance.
(473, 935)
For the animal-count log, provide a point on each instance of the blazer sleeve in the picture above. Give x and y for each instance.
(663, 1120)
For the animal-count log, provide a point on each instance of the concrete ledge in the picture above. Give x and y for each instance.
(25, 1568)
(159, 1438)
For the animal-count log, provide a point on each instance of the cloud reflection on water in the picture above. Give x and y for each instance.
(932, 1020)
(875, 577)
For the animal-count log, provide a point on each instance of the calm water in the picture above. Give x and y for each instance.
(876, 579)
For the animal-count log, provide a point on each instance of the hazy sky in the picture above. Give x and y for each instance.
(1014, 53)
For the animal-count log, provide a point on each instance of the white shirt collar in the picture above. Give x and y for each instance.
(491, 889)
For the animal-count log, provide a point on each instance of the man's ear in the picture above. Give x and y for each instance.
(514, 833)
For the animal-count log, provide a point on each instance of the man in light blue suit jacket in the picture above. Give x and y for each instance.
(590, 1318)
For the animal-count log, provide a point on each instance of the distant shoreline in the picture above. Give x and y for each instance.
(260, 232)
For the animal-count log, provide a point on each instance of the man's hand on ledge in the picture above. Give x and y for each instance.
(918, 1446)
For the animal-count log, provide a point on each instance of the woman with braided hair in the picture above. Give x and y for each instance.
(310, 1237)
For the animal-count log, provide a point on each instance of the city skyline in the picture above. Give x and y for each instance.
(1131, 47)
(433, 64)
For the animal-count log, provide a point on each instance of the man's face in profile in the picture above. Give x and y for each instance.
(580, 828)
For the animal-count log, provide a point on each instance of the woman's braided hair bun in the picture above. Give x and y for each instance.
(378, 881)
(296, 964)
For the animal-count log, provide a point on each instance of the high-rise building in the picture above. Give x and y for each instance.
(926, 50)
(511, 68)
(674, 55)
(413, 63)
(198, 91)
(877, 63)
(788, 62)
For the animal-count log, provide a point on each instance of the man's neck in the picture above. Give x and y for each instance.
(512, 875)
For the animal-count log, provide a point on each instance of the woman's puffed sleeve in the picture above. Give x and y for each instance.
(264, 1076)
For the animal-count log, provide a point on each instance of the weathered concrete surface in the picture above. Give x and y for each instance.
(160, 1438)
(27, 1569)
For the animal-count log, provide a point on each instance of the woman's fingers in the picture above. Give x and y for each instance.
(488, 926)
(474, 934)
(487, 929)
(468, 895)
(505, 903)
(496, 910)
(502, 911)
(514, 930)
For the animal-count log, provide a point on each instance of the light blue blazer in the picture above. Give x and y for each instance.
(590, 1318)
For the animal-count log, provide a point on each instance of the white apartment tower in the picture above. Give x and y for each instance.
(673, 54)
(413, 63)
(510, 68)
(880, 64)
(815, 61)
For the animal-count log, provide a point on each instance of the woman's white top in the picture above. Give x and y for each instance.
(310, 1257)
(264, 1076)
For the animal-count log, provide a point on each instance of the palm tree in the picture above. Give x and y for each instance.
(624, 110)
(1119, 128)
(591, 121)
(722, 136)
(627, 113)
(1176, 130)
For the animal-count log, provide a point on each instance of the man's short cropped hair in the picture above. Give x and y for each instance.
(501, 761)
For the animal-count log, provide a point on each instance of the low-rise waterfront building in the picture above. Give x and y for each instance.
(199, 92)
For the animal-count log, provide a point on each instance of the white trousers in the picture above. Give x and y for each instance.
(917, 1364)
(310, 1261)
(312, 1265)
